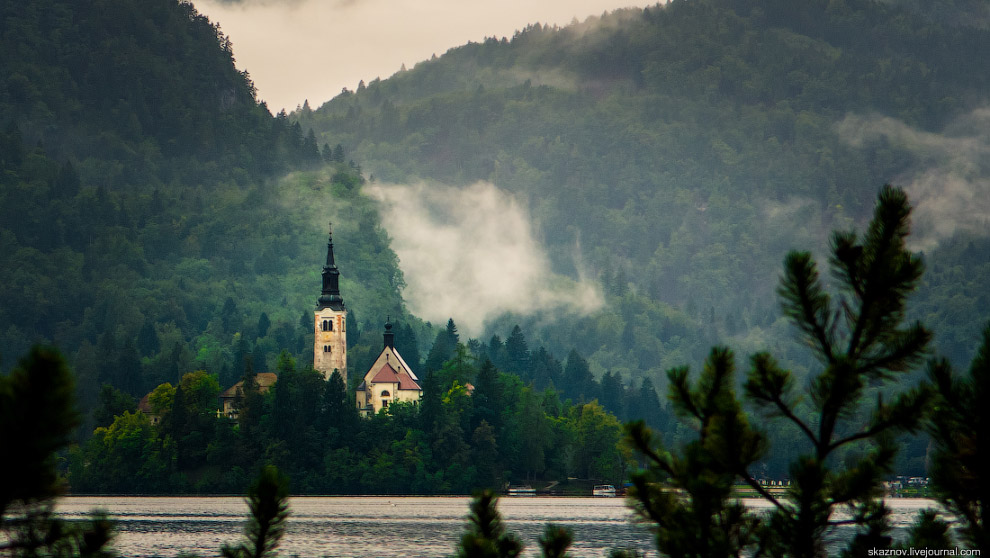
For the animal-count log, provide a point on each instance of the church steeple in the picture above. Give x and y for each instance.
(330, 297)
(330, 322)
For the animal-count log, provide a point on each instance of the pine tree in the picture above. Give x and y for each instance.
(268, 504)
(517, 353)
(960, 428)
(486, 536)
(702, 521)
(861, 342)
(37, 419)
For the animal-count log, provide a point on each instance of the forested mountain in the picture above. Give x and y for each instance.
(166, 231)
(146, 224)
(686, 147)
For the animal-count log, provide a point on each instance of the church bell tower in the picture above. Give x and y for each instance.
(330, 339)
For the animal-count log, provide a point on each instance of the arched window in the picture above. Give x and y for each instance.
(326, 348)
(330, 325)
(385, 393)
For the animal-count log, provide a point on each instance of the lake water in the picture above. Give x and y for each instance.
(407, 527)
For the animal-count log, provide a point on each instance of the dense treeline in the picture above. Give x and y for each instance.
(687, 147)
(162, 227)
(475, 427)
(685, 494)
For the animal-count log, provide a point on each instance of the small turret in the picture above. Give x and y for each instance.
(389, 336)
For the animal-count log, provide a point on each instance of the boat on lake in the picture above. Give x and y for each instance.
(522, 491)
(604, 490)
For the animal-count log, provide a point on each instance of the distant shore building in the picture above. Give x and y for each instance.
(230, 398)
(388, 380)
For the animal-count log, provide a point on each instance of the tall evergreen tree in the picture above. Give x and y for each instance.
(517, 354)
(579, 384)
(960, 429)
(268, 505)
(488, 404)
(861, 342)
(613, 394)
(37, 418)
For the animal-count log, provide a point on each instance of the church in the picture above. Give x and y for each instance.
(388, 380)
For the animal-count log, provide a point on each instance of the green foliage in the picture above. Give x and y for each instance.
(707, 522)
(555, 541)
(861, 342)
(37, 416)
(959, 425)
(688, 155)
(268, 505)
(486, 536)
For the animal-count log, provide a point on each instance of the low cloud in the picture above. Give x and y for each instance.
(949, 185)
(469, 253)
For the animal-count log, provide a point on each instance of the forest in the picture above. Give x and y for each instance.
(164, 230)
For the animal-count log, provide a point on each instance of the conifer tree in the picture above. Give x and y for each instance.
(860, 341)
(705, 524)
(959, 427)
(268, 505)
(486, 536)
(37, 418)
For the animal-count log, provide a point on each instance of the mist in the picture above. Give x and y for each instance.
(949, 184)
(470, 254)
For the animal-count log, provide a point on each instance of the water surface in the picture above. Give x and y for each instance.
(408, 527)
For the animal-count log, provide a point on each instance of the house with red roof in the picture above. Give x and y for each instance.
(388, 380)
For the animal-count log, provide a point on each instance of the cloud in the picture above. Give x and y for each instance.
(469, 253)
(949, 184)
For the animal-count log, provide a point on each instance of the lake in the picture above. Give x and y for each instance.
(407, 527)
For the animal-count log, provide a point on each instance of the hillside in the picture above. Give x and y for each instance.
(155, 218)
(681, 150)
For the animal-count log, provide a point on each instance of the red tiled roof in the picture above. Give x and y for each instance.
(388, 375)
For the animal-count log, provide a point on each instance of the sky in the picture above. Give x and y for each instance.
(311, 49)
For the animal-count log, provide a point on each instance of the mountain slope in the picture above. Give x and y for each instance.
(687, 146)
(147, 224)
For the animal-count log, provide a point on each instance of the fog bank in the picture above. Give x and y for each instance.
(469, 253)
(949, 182)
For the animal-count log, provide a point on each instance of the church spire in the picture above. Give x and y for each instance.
(330, 297)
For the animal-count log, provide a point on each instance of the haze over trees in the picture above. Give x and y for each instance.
(165, 230)
(684, 149)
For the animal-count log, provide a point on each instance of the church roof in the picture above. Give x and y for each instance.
(265, 381)
(388, 375)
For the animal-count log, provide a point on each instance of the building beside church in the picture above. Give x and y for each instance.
(330, 339)
(230, 396)
(388, 380)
